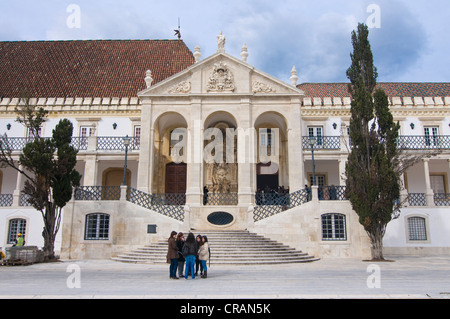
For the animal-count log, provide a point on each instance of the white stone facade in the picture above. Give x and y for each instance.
(224, 92)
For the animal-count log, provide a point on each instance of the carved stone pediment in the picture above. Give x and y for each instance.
(221, 79)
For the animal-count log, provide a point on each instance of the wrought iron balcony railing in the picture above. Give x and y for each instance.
(170, 205)
(104, 143)
(442, 199)
(404, 142)
(323, 143)
(220, 199)
(423, 142)
(6, 200)
(97, 193)
(417, 199)
(115, 143)
(268, 204)
(332, 192)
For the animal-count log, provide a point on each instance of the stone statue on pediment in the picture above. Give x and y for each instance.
(221, 43)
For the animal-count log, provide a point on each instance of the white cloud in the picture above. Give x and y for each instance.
(314, 36)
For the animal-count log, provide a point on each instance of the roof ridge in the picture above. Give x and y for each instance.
(87, 40)
(390, 82)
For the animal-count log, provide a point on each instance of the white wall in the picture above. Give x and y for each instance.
(35, 224)
(438, 227)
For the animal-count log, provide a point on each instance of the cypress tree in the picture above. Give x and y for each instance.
(373, 184)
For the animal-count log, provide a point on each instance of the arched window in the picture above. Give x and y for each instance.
(417, 228)
(97, 227)
(333, 227)
(16, 226)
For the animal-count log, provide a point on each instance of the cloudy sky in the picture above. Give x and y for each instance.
(410, 39)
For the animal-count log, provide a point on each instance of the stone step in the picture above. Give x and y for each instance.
(227, 247)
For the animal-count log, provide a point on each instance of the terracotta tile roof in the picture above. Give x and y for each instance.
(392, 89)
(88, 68)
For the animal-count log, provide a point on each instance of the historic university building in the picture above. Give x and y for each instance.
(170, 140)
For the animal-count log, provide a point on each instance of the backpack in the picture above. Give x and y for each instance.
(188, 250)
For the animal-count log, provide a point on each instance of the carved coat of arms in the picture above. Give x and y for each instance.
(221, 79)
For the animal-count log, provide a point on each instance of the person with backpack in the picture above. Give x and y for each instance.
(203, 255)
(180, 244)
(189, 252)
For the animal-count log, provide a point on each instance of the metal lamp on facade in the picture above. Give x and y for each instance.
(126, 142)
(312, 141)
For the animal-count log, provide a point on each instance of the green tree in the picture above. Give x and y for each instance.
(49, 167)
(373, 183)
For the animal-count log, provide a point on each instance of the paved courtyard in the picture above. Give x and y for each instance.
(404, 277)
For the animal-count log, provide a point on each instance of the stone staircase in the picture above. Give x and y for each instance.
(227, 247)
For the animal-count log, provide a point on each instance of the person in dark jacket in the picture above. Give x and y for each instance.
(180, 244)
(189, 253)
(172, 255)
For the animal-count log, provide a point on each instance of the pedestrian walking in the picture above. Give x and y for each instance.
(180, 244)
(198, 264)
(203, 255)
(172, 255)
(189, 252)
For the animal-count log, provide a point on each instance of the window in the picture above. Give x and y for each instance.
(85, 132)
(431, 135)
(137, 135)
(320, 179)
(16, 226)
(417, 229)
(438, 183)
(267, 139)
(333, 227)
(316, 131)
(97, 227)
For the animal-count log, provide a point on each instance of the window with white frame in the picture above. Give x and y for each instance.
(16, 226)
(417, 230)
(97, 227)
(317, 132)
(333, 227)
(85, 132)
(137, 135)
(431, 135)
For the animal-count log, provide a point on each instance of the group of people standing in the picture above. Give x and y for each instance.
(192, 252)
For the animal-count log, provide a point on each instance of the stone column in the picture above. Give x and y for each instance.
(17, 191)
(295, 153)
(144, 177)
(342, 163)
(90, 171)
(428, 191)
(245, 145)
(403, 191)
(194, 178)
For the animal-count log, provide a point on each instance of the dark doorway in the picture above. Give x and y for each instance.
(176, 178)
(176, 182)
(264, 178)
